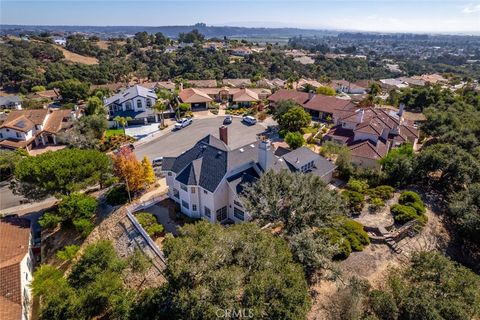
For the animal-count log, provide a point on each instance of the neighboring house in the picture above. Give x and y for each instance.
(11, 102)
(305, 60)
(319, 106)
(300, 84)
(167, 85)
(241, 51)
(135, 102)
(53, 94)
(412, 81)
(237, 83)
(327, 107)
(347, 87)
(431, 78)
(392, 84)
(207, 180)
(371, 133)
(201, 98)
(34, 128)
(16, 267)
(284, 94)
(271, 84)
(212, 83)
(60, 41)
(197, 99)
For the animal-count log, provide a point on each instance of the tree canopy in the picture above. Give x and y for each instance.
(212, 268)
(60, 172)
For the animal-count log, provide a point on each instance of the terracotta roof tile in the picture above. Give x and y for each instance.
(284, 94)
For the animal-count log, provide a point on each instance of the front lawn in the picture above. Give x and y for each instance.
(113, 132)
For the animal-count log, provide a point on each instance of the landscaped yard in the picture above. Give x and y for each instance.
(113, 132)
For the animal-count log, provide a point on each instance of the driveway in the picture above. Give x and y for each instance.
(175, 142)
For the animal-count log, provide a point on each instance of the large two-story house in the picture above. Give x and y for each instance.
(135, 102)
(370, 133)
(207, 180)
(33, 128)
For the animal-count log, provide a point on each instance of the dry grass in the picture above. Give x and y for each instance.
(102, 44)
(77, 58)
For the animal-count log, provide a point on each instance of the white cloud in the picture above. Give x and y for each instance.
(471, 9)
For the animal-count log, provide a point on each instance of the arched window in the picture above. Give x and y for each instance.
(128, 105)
(149, 102)
(139, 104)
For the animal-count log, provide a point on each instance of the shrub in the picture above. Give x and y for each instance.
(402, 213)
(357, 185)
(294, 139)
(409, 197)
(149, 222)
(83, 226)
(335, 238)
(68, 252)
(376, 204)
(354, 199)
(77, 205)
(355, 234)
(384, 305)
(38, 88)
(117, 195)
(412, 199)
(382, 192)
(262, 116)
(49, 220)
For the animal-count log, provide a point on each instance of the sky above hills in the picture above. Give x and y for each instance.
(443, 16)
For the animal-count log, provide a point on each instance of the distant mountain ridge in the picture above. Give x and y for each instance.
(173, 31)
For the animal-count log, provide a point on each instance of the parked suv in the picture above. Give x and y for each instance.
(249, 120)
(183, 123)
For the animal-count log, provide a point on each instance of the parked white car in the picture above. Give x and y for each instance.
(249, 120)
(183, 123)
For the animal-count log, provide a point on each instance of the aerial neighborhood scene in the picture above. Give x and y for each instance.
(235, 159)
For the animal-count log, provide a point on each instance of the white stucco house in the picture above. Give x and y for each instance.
(135, 102)
(11, 102)
(208, 179)
(33, 128)
(16, 267)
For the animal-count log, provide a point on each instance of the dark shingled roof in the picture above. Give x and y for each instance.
(209, 172)
(240, 180)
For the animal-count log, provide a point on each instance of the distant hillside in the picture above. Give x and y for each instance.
(172, 31)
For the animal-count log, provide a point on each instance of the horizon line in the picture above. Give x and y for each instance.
(470, 32)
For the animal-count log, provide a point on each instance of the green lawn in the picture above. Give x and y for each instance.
(113, 132)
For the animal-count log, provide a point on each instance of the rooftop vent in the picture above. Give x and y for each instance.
(252, 145)
(241, 150)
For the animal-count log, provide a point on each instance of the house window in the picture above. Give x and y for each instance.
(237, 213)
(169, 174)
(192, 189)
(185, 204)
(205, 191)
(1, 136)
(18, 134)
(194, 207)
(184, 187)
(149, 102)
(222, 214)
(176, 194)
(208, 212)
(237, 203)
(139, 104)
(128, 105)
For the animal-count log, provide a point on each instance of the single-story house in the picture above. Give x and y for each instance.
(11, 102)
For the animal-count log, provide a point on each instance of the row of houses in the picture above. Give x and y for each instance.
(369, 133)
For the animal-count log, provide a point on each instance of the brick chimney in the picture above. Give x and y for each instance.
(223, 133)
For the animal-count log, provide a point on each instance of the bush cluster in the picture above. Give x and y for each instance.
(348, 236)
(410, 206)
(149, 222)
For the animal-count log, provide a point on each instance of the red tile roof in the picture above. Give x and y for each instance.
(284, 94)
(14, 246)
(329, 104)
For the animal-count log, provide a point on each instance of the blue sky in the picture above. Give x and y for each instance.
(452, 16)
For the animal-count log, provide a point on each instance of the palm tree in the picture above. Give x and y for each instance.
(122, 121)
(160, 107)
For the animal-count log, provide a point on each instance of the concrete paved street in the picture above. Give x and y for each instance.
(175, 142)
(7, 198)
